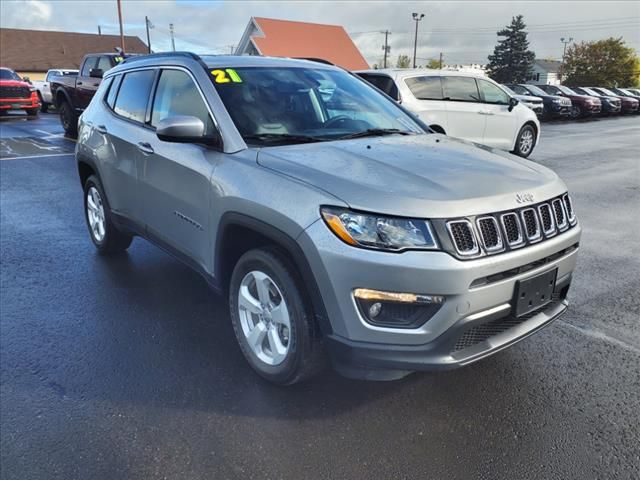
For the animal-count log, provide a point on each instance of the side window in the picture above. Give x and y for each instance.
(384, 83)
(113, 91)
(88, 65)
(491, 93)
(133, 95)
(104, 64)
(461, 89)
(177, 94)
(425, 88)
(50, 74)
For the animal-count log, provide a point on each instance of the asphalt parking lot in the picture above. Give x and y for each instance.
(127, 368)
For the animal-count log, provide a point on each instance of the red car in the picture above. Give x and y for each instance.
(16, 94)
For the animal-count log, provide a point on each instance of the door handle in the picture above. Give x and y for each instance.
(78, 83)
(145, 148)
(101, 129)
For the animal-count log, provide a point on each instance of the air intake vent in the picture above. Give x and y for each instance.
(568, 206)
(531, 225)
(558, 211)
(547, 220)
(512, 230)
(490, 234)
(463, 237)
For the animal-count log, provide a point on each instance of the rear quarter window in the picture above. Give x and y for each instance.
(382, 82)
(425, 88)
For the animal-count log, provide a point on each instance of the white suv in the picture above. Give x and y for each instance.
(462, 104)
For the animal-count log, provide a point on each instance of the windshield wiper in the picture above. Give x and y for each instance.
(283, 137)
(375, 132)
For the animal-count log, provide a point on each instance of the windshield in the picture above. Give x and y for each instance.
(504, 87)
(590, 92)
(607, 92)
(566, 90)
(535, 90)
(6, 74)
(296, 105)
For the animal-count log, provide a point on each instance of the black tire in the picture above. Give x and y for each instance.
(576, 112)
(521, 147)
(113, 240)
(44, 107)
(305, 356)
(32, 112)
(68, 119)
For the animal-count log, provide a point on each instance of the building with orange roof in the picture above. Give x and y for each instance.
(285, 38)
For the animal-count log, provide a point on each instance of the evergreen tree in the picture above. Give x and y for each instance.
(512, 60)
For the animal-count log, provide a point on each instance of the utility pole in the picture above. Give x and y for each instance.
(386, 47)
(565, 41)
(99, 30)
(149, 25)
(417, 17)
(121, 30)
(173, 42)
(440, 60)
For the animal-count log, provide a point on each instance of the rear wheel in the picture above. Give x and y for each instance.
(272, 319)
(68, 119)
(104, 234)
(525, 142)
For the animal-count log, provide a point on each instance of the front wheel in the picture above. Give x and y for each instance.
(272, 319)
(104, 234)
(576, 111)
(32, 112)
(525, 142)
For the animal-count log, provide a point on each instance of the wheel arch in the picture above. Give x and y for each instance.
(62, 96)
(238, 233)
(536, 130)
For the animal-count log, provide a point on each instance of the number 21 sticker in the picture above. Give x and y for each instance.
(228, 75)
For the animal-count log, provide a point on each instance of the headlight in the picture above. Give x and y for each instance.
(557, 100)
(378, 231)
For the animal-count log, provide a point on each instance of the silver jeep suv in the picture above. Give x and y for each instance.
(338, 225)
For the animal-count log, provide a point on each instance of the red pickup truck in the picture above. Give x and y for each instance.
(71, 94)
(16, 94)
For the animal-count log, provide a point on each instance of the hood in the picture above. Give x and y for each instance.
(420, 175)
(528, 98)
(14, 83)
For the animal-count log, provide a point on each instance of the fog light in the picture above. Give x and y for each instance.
(396, 310)
(374, 310)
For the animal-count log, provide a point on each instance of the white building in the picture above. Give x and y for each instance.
(546, 72)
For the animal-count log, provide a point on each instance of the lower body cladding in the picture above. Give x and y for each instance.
(449, 312)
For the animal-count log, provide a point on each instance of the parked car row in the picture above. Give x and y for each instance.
(43, 87)
(585, 100)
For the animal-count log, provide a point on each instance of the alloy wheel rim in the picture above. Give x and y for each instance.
(264, 317)
(95, 214)
(526, 141)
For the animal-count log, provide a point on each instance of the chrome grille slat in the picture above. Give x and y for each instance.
(547, 219)
(568, 207)
(490, 234)
(531, 225)
(559, 214)
(464, 239)
(512, 229)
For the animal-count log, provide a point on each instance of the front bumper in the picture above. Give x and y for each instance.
(359, 349)
(560, 110)
(19, 103)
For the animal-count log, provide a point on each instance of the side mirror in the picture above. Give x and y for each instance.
(512, 103)
(26, 79)
(184, 129)
(96, 73)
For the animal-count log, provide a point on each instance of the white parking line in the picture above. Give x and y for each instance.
(37, 156)
(601, 336)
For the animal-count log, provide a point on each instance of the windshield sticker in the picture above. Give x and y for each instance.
(118, 59)
(228, 75)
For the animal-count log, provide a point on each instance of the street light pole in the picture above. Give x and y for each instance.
(417, 17)
(564, 52)
(121, 30)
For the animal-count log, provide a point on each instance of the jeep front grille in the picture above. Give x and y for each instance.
(464, 240)
(496, 232)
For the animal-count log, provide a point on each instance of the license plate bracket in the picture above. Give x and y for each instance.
(535, 292)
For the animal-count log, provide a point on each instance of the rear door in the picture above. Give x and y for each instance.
(501, 124)
(465, 110)
(424, 97)
(175, 178)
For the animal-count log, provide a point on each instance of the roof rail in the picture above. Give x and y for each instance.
(313, 59)
(161, 55)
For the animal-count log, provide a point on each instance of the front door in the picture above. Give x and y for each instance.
(465, 117)
(501, 124)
